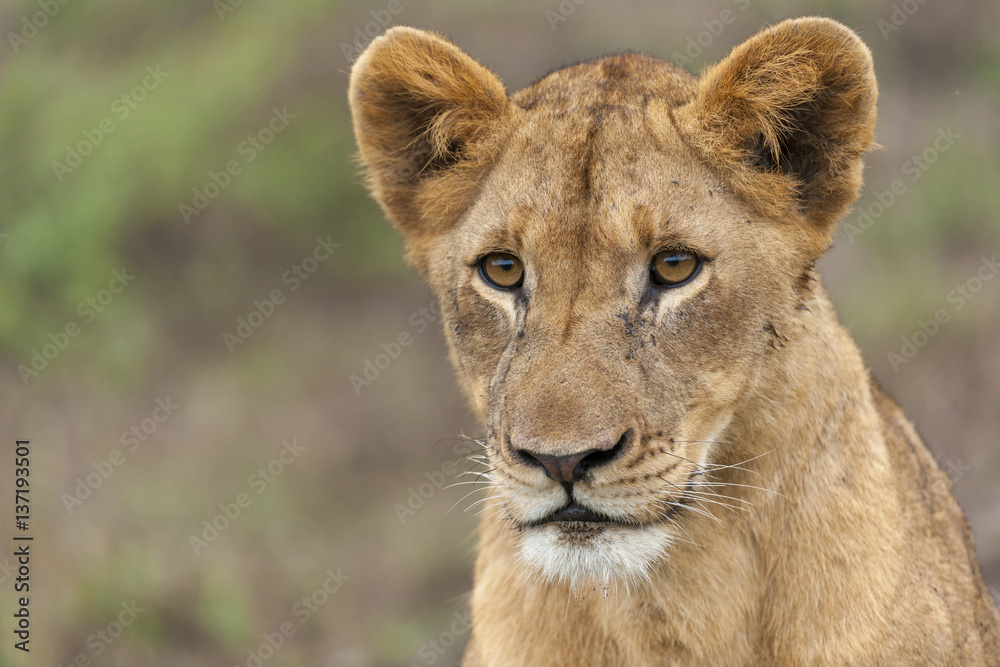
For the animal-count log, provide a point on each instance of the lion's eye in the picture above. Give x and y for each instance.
(671, 268)
(502, 270)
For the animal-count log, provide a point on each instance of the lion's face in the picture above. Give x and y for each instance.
(591, 362)
(610, 284)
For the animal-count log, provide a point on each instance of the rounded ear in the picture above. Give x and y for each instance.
(428, 121)
(785, 119)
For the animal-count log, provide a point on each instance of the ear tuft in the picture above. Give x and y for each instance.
(786, 118)
(429, 121)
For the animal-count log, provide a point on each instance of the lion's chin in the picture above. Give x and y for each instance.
(587, 555)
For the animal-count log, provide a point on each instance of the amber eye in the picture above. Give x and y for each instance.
(502, 270)
(671, 268)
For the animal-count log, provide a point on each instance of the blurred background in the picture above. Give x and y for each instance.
(191, 273)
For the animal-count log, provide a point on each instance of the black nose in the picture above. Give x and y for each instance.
(570, 468)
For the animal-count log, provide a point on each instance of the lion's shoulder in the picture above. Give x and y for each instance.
(940, 536)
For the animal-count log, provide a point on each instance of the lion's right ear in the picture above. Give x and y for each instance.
(785, 119)
(429, 120)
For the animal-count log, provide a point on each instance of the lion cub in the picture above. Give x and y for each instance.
(687, 462)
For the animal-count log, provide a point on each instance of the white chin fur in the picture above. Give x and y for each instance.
(603, 557)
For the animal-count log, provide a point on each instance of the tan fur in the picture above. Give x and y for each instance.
(783, 510)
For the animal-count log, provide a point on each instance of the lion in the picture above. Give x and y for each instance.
(685, 459)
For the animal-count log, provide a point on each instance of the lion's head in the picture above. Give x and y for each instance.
(620, 251)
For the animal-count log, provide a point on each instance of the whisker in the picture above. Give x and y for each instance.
(745, 486)
(702, 499)
(475, 481)
(487, 507)
(511, 574)
(698, 442)
(678, 456)
(677, 525)
(696, 510)
(461, 438)
(698, 489)
(484, 488)
(478, 473)
(713, 466)
(496, 516)
(481, 500)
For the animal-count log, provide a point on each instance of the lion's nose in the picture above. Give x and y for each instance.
(570, 468)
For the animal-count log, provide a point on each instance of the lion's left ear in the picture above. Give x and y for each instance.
(429, 120)
(785, 119)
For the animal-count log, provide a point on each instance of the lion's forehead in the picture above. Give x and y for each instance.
(591, 172)
(591, 200)
(600, 119)
(629, 79)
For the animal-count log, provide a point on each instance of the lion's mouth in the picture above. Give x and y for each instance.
(575, 513)
(575, 516)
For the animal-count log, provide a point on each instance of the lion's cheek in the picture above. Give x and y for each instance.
(479, 336)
